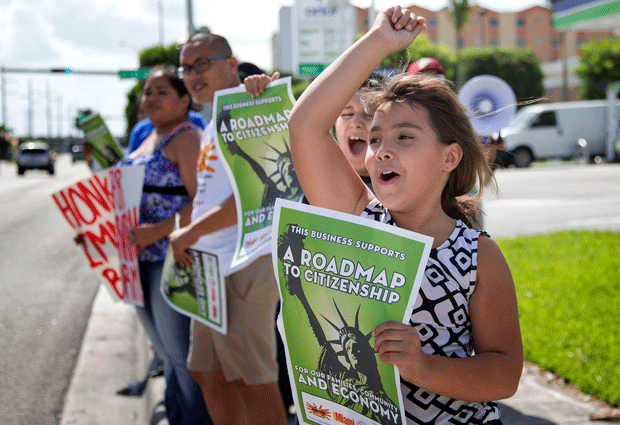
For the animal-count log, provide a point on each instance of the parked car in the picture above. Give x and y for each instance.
(77, 153)
(34, 155)
(552, 130)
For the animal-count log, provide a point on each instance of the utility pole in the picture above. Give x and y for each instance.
(48, 104)
(70, 129)
(30, 106)
(59, 109)
(565, 95)
(160, 9)
(4, 113)
(190, 19)
(371, 14)
(481, 13)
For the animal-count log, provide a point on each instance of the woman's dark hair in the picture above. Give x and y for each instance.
(450, 121)
(170, 72)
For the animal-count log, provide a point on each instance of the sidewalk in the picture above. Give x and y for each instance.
(115, 351)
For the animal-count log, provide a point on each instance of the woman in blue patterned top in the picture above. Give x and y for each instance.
(170, 155)
(461, 348)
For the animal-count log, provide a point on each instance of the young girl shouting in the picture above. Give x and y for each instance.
(462, 347)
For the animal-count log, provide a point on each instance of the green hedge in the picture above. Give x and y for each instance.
(519, 68)
(599, 65)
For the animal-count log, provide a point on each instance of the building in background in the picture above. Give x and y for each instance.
(281, 42)
(531, 28)
(314, 34)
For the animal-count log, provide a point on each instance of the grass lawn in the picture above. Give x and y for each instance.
(568, 291)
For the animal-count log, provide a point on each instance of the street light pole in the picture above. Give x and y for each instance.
(48, 103)
(481, 13)
(160, 9)
(59, 110)
(190, 19)
(4, 113)
(372, 14)
(30, 112)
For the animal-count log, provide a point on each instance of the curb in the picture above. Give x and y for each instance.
(114, 351)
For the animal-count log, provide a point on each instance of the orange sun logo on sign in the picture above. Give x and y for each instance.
(206, 155)
(319, 411)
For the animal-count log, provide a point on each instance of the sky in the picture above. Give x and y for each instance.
(108, 35)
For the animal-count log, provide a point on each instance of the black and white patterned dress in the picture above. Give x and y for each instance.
(441, 317)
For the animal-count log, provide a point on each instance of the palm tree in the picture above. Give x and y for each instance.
(459, 12)
(565, 95)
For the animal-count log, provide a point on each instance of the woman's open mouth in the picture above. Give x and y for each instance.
(357, 145)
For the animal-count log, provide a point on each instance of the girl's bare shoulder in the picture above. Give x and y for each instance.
(492, 264)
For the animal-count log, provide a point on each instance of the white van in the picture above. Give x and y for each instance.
(552, 130)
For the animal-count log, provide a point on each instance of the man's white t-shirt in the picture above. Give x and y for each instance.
(213, 189)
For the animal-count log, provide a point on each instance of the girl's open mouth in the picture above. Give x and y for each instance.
(387, 176)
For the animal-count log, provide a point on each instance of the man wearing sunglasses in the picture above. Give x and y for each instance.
(237, 372)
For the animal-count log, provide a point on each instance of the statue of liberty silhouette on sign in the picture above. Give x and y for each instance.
(282, 183)
(359, 369)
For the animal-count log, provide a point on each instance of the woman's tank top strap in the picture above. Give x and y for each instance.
(176, 130)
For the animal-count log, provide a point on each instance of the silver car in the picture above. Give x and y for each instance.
(34, 155)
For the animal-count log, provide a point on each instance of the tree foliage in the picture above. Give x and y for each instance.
(519, 68)
(422, 47)
(131, 110)
(599, 65)
(5, 141)
(159, 54)
(149, 57)
(459, 11)
(298, 86)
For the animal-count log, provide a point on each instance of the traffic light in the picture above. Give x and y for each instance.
(67, 71)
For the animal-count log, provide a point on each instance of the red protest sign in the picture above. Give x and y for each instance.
(88, 208)
(104, 208)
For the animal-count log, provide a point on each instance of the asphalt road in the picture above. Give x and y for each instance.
(46, 293)
(555, 196)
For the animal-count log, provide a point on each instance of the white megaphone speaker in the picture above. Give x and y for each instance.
(490, 101)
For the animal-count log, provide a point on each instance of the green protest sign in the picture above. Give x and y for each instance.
(198, 291)
(252, 138)
(339, 277)
(105, 150)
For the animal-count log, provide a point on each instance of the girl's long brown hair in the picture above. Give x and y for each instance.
(451, 123)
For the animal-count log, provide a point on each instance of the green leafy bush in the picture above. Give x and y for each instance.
(159, 54)
(149, 57)
(599, 65)
(5, 141)
(519, 68)
(420, 48)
